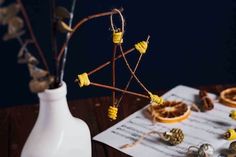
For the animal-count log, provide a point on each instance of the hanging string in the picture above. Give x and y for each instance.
(117, 33)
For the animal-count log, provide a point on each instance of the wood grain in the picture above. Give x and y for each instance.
(17, 122)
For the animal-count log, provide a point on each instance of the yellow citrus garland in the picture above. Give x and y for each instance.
(83, 80)
(141, 46)
(156, 98)
(117, 37)
(112, 112)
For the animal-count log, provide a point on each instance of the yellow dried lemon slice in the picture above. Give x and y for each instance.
(228, 97)
(169, 112)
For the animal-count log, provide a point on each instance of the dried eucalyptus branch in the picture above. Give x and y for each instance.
(67, 41)
(41, 54)
(79, 24)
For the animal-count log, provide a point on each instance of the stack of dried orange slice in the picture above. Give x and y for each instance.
(169, 111)
(228, 97)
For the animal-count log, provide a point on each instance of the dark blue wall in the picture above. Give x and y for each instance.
(192, 43)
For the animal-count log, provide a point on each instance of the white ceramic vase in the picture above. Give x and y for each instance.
(56, 132)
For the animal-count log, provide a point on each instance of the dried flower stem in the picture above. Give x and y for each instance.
(41, 54)
(109, 62)
(114, 74)
(119, 90)
(67, 41)
(77, 26)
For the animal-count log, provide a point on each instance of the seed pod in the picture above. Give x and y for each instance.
(62, 13)
(63, 27)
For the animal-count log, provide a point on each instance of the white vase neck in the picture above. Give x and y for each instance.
(53, 103)
(53, 94)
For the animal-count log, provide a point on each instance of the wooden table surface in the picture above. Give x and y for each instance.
(17, 122)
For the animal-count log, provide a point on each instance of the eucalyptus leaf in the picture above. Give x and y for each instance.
(6, 13)
(36, 72)
(62, 13)
(15, 24)
(63, 27)
(37, 86)
(31, 59)
(27, 58)
(8, 36)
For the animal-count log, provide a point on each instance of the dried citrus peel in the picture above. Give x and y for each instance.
(228, 97)
(169, 112)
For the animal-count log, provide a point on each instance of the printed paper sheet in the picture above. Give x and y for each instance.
(199, 128)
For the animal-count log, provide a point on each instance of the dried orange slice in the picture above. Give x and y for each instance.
(169, 112)
(228, 97)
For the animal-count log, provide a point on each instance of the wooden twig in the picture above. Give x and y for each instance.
(119, 90)
(109, 62)
(114, 74)
(131, 71)
(41, 54)
(79, 24)
(131, 77)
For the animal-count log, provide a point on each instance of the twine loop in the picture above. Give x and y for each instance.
(117, 33)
